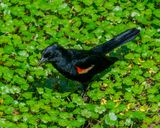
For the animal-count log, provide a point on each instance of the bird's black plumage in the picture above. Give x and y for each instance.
(82, 65)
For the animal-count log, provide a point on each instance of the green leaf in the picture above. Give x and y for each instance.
(88, 2)
(138, 115)
(111, 119)
(45, 118)
(65, 115)
(110, 104)
(63, 123)
(8, 99)
(128, 122)
(100, 109)
(8, 49)
(40, 90)
(27, 95)
(9, 110)
(86, 113)
(23, 53)
(156, 13)
(76, 99)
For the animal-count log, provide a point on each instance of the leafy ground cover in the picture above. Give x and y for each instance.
(126, 95)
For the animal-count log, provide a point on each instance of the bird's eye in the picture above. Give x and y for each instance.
(47, 55)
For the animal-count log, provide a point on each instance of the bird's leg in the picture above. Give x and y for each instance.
(84, 92)
(85, 88)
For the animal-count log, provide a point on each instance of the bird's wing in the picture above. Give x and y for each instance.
(84, 70)
(86, 64)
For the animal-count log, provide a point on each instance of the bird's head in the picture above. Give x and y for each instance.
(50, 53)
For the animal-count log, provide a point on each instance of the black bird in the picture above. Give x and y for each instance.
(82, 65)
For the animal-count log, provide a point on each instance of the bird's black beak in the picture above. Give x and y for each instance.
(43, 60)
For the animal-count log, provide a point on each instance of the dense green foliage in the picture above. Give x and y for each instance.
(125, 95)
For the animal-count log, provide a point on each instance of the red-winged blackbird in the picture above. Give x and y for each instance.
(82, 65)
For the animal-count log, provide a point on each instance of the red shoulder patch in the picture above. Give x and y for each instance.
(83, 70)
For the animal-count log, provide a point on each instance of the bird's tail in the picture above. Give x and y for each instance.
(120, 39)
